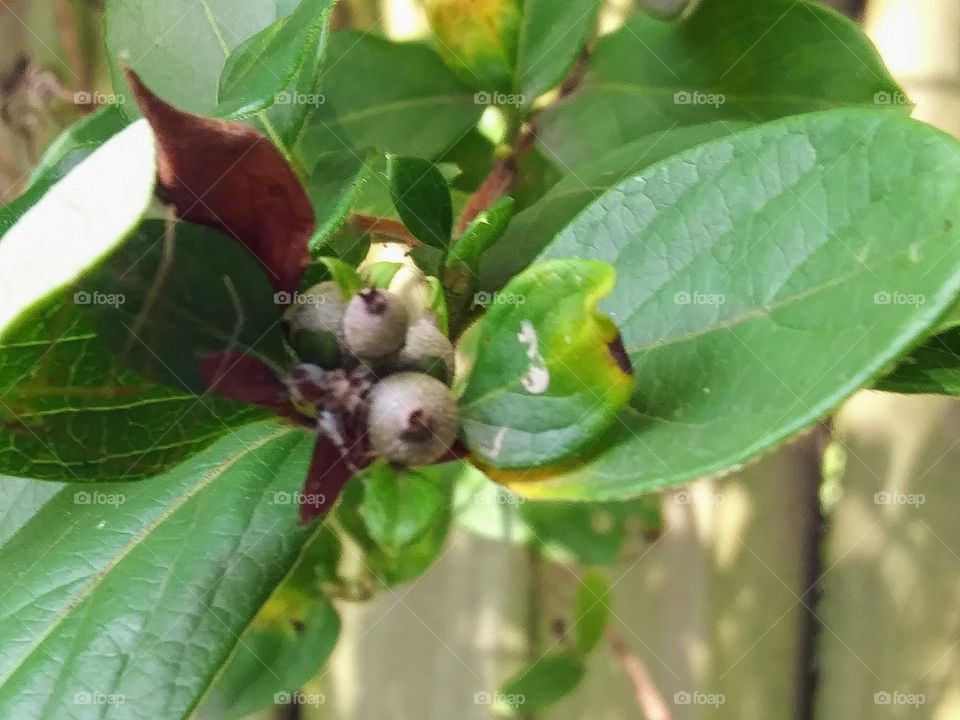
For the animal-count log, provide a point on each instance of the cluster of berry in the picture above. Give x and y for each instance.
(362, 361)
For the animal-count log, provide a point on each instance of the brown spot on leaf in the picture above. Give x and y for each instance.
(619, 353)
(230, 177)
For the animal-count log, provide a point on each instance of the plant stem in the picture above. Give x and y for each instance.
(534, 605)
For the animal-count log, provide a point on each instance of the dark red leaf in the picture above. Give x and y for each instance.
(244, 378)
(328, 474)
(231, 177)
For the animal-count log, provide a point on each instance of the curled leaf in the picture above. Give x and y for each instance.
(231, 177)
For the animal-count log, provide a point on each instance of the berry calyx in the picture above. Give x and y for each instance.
(412, 419)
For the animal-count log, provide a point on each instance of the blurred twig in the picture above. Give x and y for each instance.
(648, 697)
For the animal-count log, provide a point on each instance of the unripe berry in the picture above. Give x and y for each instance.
(412, 419)
(375, 323)
(428, 350)
(315, 324)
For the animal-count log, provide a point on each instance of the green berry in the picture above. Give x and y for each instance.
(427, 350)
(375, 323)
(412, 419)
(315, 324)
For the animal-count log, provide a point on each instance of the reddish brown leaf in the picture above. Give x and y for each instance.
(328, 474)
(241, 377)
(231, 177)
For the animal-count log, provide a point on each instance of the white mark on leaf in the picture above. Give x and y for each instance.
(537, 379)
(498, 442)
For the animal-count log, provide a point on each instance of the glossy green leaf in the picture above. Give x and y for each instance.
(134, 618)
(409, 103)
(77, 223)
(730, 60)
(333, 186)
(272, 663)
(164, 301)
(21, 500)
(399, 507)
(547, 681)
(258, 71)
(552, 34)
(485, 229)
(763, 279)
(77, 142)
(422, 199)
(544, 380)
(591, 611)
(533, 228)
(437, 304)
(381, 274)
(932, 368)
(344, 275)
(180, 47)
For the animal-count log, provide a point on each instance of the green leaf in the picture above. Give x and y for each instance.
(409, 102)
(258, 71)
(484, 231)
(552, 34)
(333, 186)
(345, 276)
(730, 60)
(77, 223)
(437, 304)
(381, 274)
(400, 507)
(934, 367)
(21, 500)
(164, 301)
(544, 381)
(77, 142)
(179, 47)
(130, 602)
(422, 199)
(757, 276)
(548, 680)
(272, 663)
(533, 228)
(591, 611)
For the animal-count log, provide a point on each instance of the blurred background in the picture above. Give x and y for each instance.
(794, 589)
